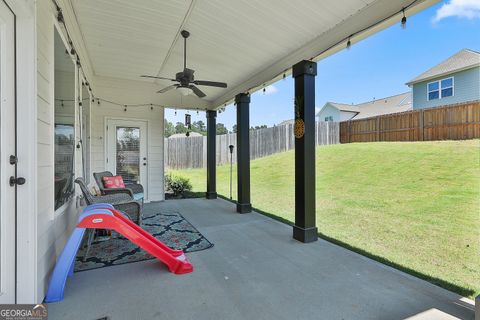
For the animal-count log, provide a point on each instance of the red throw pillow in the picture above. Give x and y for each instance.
(113, 182)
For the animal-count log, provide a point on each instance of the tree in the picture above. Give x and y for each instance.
(180, 128)
(199, 126)
(169, 128)
(221, 129)
(234, 128)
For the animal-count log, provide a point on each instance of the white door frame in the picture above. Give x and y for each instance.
(26, 72)
(8, 149)
(110, 148)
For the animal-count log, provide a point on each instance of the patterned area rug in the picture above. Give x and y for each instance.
(170, 228)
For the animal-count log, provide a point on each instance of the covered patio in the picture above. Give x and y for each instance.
(86, 90)
(255, 271)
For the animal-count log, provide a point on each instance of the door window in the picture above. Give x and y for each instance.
(128, 154)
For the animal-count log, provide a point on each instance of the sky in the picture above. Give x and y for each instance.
(376, 67)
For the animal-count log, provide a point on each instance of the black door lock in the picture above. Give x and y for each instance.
(16, 181)
(13, 160)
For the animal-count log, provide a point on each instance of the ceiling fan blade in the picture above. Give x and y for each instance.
(197, 91)
(153, 77)
(210, 83)
(167, 88)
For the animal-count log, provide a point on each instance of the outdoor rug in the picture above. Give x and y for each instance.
(170, 228)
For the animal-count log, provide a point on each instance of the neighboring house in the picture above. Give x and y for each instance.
(453, 81)
(333, 111)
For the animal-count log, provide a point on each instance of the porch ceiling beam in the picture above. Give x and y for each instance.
(77, 38)
(175, 39)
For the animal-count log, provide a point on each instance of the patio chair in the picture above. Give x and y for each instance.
(135, 189)
(122, 200)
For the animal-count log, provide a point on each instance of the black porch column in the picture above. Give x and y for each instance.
(211, 155)
(242, 101)
(305, 229)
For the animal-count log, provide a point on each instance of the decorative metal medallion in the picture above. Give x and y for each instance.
(299, 126)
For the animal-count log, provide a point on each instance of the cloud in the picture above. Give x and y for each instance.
(469, 9)
(271, 89)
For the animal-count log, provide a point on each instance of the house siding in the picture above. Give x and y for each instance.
(466, 88)
(329, 111)
(53, 228)
(155, 141)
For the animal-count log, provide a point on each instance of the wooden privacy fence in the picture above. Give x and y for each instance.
(191, 152)
(456, 122)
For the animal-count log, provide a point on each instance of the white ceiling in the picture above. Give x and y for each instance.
(243, 43)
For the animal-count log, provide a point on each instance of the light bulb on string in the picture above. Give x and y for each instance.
(404, 20)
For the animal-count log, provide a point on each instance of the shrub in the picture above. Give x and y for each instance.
(177, 184)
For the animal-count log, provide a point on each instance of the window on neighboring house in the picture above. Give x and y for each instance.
(329, 118)
(440, 89)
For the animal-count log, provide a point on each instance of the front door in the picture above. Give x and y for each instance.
(127, 150)
(7, 155)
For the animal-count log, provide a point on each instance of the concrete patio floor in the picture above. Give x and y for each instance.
(255, 271)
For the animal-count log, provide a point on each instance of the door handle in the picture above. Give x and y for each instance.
(17, 181)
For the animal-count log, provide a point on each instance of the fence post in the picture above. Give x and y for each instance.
(349, 131)
(377, 125)
(422, 125)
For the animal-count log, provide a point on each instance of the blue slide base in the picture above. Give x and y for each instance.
(66, 261)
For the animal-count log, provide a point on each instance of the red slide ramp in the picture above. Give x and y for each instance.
(174, 259)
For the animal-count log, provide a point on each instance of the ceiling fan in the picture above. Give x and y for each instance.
(186, 81)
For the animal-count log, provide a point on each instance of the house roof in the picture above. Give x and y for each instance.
(398, 103)
(393, 104)
(462, 60)
(345, 107)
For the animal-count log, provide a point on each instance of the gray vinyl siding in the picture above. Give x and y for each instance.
(155, 141)
(329, 111)
(53, 228)
(466, 88)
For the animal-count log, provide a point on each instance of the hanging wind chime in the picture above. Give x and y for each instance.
(188, 123)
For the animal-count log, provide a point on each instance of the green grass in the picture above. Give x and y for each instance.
(414, 206)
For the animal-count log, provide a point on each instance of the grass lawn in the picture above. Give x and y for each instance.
(413, 205)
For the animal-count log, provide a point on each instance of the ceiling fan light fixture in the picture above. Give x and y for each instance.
(184, 91)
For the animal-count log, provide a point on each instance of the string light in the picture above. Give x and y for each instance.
(404, 20)
(175, 112)
(125, 108)
(61, 19)
(63, 104)
(264, 90)
(284, 76)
